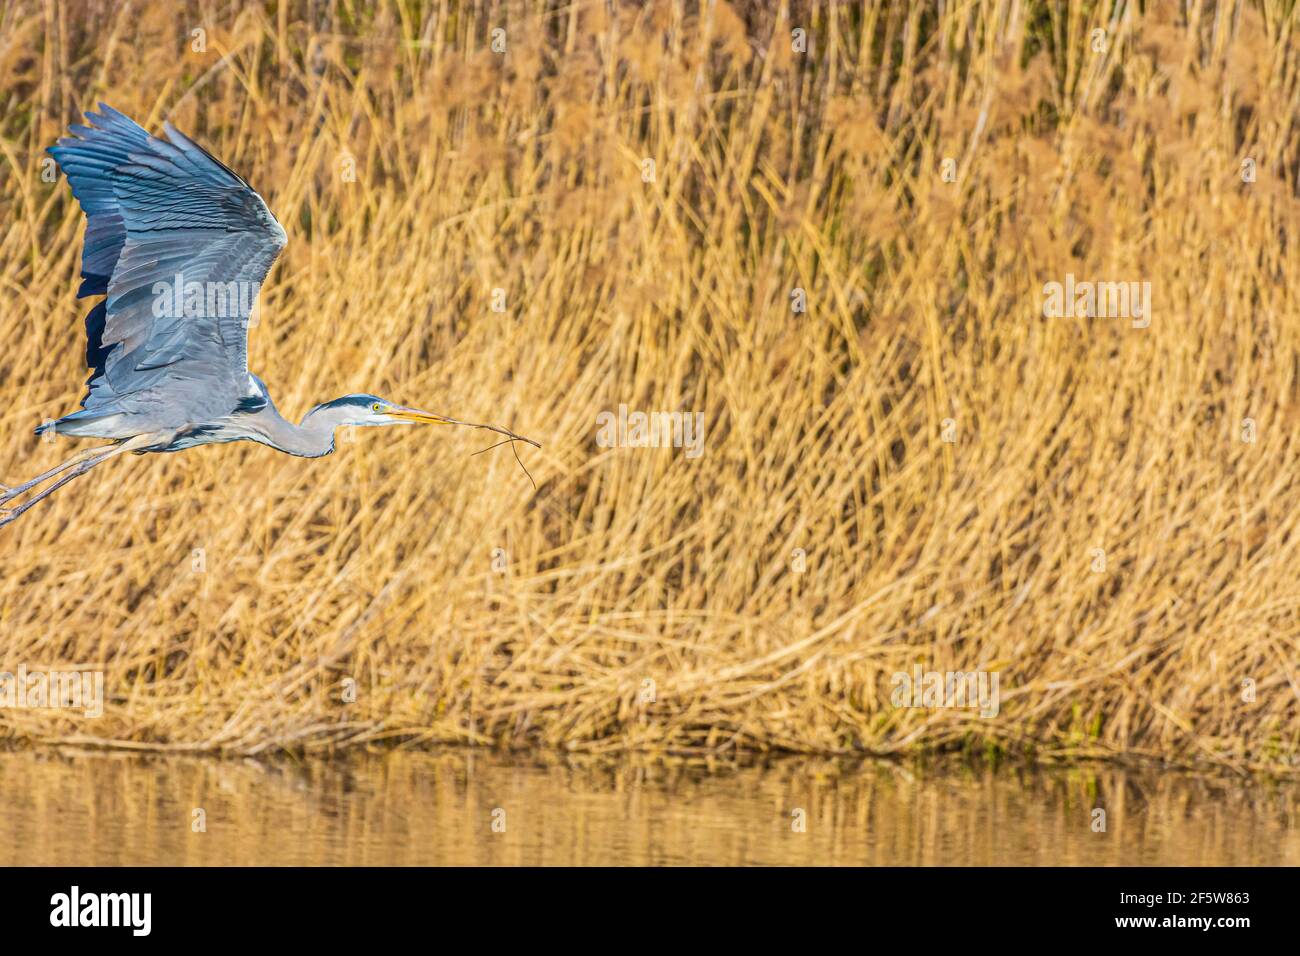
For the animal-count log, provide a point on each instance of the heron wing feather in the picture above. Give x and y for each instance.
(179, 244)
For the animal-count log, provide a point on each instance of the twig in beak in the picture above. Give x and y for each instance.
(492, 428)
(510, 436)
(510, 440)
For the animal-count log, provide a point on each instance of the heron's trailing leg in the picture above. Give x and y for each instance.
(9, 494)
(80, 464)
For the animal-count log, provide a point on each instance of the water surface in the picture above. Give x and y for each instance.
(473, 807)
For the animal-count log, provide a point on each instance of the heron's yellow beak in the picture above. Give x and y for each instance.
(415, 415)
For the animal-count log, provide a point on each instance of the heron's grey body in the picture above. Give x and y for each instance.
(160, 215)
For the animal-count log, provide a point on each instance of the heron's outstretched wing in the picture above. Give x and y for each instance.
(161, 215)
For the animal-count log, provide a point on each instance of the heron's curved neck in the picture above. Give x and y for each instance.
(312, 439)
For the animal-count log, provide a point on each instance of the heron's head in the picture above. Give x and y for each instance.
(373, 410)
(359, 410)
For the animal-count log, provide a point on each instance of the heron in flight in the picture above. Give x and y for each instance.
(166, 372)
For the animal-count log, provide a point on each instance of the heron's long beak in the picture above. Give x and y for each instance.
(415, 415)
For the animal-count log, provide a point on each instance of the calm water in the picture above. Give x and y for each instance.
(440, 808)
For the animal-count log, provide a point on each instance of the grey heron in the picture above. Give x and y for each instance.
(169, 366)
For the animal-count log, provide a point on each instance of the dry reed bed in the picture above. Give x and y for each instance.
(773, 170)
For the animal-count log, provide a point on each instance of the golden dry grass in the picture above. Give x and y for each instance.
(774, 170)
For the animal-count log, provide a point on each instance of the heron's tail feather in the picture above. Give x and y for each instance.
(88, 424)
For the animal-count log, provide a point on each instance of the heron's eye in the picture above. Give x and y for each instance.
(376, 407)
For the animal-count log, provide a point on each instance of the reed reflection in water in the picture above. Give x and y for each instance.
(439, 808)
